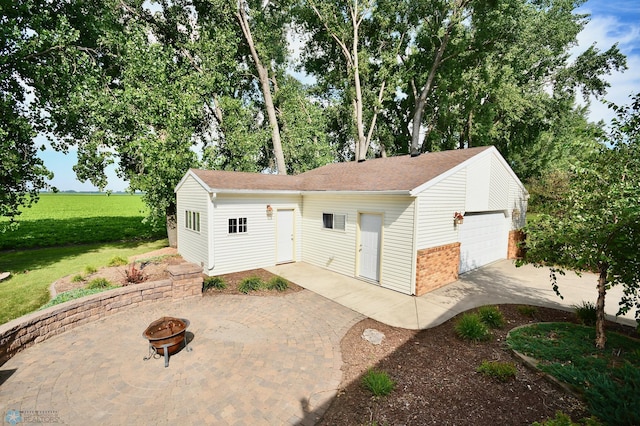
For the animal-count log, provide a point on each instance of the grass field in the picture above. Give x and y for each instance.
(63, 219)
(63, 234)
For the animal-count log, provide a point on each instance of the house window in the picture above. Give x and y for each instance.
(334, 221)
(192, 220)
(237, 226)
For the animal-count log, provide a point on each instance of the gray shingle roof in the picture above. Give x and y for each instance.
(402, 173)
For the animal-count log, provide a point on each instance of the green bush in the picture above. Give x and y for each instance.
(471, 327)
(90, 270)
(250, 284)
(98, 283)
(73, 294)
(378, 382)
(491, 316)
(586, 313)
(562, 419)
(501, 371)
(214, 282)
(615, 397)
(118, 261)
(527, 310)
(278, 283)
(77, 278)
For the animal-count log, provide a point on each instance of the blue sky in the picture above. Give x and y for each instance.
(612, 21)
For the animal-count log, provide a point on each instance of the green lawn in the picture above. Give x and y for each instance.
(63, 234)
(63, 219)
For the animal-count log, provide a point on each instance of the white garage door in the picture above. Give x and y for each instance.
(483, 239)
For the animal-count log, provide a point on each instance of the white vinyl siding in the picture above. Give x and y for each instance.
(499, 185)
(436, 207)
(337, 251)
(255, 248)
(193, 246)
(517, 205)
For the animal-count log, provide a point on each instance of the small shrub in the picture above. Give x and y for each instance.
(491, 316)
(471, 327)
(214, 282)
(278, 283)
(98, 283)
(527, 310)
(134, 275)
(586, 313)
(501, 371)
(77, 278)
(561, 419)
(378, 382)
(73, 294)
(90, 270)
(118, 261)
(250, 284)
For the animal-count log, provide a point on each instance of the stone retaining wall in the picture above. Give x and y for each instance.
(185, 282)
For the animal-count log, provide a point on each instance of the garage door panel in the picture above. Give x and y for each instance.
(483, 239)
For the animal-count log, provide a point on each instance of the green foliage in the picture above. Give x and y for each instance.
(77, 278)
(90, 269)
(117, 261)
(586, 313)
(250, 284)
(562, 419)
(527, 310)
(98, 283)
(470, 327)
(63, 219)
(491, 316)
(378, 382)
(214, 282)
(277, 283)
(501, 371)
(609, 379)
(74, 294)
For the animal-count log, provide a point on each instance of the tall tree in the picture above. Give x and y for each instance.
(593, 224)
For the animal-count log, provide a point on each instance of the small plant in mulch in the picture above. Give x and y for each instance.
(470, 327)
(217, 283)
(134, 275)
(118, 261)
(98, 283)
(378, 382)
(501, 371)
(527, 310)
(250, 284)
(491, 316)
(88, 270)
(277, 283)
(586, 313)
(562, 419)
(77, 278)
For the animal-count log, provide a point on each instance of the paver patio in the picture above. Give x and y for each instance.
(255, 360)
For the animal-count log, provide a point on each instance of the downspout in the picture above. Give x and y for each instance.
(414, 252)
(210, 233)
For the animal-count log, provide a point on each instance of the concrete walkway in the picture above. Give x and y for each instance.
(498, 283)
(255, 361)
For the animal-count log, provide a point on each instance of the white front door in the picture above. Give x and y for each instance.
(370, 233)
(284, 224)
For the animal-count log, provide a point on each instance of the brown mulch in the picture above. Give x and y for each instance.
(233, 280)
(437, 382)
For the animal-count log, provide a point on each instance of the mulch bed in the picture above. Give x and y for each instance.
(233, 280)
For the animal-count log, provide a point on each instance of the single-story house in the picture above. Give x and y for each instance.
(407, 223)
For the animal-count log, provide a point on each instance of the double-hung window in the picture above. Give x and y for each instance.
(192, 220)
(334, 221)
(237, 225)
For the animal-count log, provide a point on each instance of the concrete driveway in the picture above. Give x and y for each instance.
(255, 361)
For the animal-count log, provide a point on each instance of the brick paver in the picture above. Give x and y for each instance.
(254, 361)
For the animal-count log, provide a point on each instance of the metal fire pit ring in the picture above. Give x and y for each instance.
(166, 336)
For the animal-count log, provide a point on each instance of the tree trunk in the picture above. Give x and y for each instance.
(172, 230)
(263, 76)
(601, 337)
(361, 150)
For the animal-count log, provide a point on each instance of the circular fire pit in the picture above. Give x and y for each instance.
(166, 336)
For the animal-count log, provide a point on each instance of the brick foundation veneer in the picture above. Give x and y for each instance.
(185, 282)
(436, 266)
(515, 238)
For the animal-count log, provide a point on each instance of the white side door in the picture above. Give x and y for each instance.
(370, 237)
(285, 232)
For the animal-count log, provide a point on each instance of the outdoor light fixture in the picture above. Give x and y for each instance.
(458, 218)
(269, 210)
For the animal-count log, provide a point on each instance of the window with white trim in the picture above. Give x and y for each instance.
(192, 220)
(334, 221)
(237, 225)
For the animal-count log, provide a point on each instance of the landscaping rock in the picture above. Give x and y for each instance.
(373, 336)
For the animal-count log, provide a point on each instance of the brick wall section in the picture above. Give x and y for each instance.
(515, 251)
(436, 267)
(185, 282)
